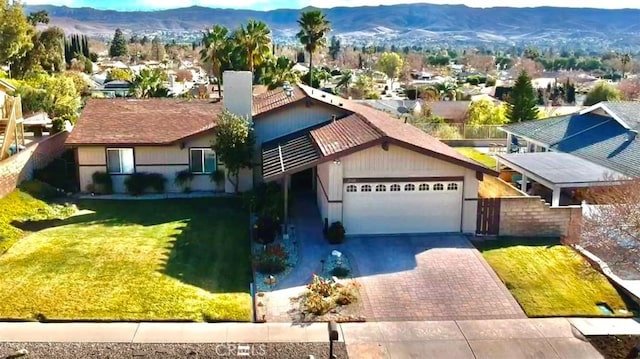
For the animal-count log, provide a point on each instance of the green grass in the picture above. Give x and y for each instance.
(549, 279)
(477, 156)
(19, 206)
(133, 260)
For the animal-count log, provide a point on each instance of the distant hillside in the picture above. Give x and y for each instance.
(400, 21)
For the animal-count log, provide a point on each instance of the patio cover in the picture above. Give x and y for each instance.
(558, 169)
(288, 155)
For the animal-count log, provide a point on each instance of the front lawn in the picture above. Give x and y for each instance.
(549, 279)
(133, 260)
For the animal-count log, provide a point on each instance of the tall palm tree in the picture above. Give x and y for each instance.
(314, 27)
(215, 50)
(254, 42)
(149, 84)
(345, 81)
(624, 60)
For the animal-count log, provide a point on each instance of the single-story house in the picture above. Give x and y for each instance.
(597, 146)
(367, 169)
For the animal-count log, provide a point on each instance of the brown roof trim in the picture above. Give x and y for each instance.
(404, 179)
(442, 157)
(138, 144)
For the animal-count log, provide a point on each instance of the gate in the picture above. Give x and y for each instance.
(488, 219)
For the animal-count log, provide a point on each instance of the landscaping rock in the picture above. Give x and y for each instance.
(161, 351)
(18, 353)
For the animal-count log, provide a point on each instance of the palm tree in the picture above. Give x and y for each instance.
(624, 60)
(149, 84)
(345, 81)
(253, 41)
(278, 71)
(314, 27)
(440, 91)
(216, 50)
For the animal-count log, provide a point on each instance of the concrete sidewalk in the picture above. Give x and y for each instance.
(510, 338)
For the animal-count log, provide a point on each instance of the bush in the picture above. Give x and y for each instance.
(40, 190)
(139, 182)
(272, 260)
(102, 183)
(183, 179)
(323, 295)
(218, 177)
(340, 272)
(335, 233)
(266, 229)
(491, 81)
(267, 199)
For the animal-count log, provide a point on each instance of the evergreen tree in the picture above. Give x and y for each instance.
(157, 50)
(522, 100)
(144, 40)
(334, 48)
(118, 45)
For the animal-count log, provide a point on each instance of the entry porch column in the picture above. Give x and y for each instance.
(285, 186)
(555, 197)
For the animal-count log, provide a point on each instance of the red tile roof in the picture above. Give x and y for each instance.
(392, 128)
(274, 99)
(344, 134)
(150, 121)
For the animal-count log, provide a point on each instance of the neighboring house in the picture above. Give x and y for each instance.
(593, 147)
(373, 172)
(450, 111)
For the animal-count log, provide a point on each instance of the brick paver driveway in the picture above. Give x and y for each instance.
(434, 277)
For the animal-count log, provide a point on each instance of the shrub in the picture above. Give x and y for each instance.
(267, 199)
(266, 229)
(139, 182)
(491, 81)
(323, 295)
(40, 190)
(340, 272)
(102, 183)
(183, 179)
(218, 176)
(272, 260)
(335, 233)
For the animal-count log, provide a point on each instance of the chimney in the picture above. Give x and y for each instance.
(238, 92)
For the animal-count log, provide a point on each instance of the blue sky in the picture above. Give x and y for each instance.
(276, 4)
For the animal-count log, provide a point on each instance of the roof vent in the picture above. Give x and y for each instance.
(333, 118)
(632, 135)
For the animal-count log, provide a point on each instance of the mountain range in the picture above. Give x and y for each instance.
(421, 21)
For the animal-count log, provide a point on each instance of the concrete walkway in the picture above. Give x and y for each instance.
(495, 339)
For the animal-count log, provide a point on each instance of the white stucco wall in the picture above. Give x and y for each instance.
(397, 162)
(166, 160)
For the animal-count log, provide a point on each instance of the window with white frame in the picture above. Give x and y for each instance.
(365, 188)
(438, 187)
(202, 160)
(381, 188)
(452, 187)
(409, 187)
(352, 188)
(394, 188)
(423, 187)
(120, 160)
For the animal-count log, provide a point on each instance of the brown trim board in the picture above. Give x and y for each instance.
(323, 190)
(404, 179)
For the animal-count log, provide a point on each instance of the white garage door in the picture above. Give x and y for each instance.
(402, 207)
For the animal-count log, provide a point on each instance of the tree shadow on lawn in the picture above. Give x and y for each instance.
(210, 251)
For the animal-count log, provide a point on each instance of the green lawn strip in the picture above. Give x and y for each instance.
(20, 206)
(134, 260)
(549, 279)
(477, 156)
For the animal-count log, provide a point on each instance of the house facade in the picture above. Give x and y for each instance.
(367, 169)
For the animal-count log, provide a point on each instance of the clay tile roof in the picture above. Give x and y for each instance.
(274, 99)
(344, 134)
(137, 122)
(394, 129)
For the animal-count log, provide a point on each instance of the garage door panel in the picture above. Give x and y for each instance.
(402, 211)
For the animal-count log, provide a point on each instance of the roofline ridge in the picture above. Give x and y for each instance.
(371, 124)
